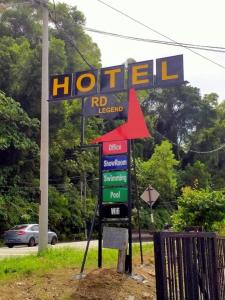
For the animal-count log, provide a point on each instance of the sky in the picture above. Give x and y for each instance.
(193, 21)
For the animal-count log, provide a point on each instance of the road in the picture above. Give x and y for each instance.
(24, 250)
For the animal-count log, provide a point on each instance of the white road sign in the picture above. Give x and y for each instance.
(150, 195)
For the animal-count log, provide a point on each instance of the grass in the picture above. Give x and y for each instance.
(51, 259)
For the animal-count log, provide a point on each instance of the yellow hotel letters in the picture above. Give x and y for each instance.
(140, 75)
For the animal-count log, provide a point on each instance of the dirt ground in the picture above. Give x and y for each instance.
(98, 284)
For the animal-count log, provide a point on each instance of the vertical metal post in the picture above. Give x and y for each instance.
(89, 238)
(215, 269)
(85, 205)
(82, 124)
(137, 203)
(160, 266)
(43, 208)
(150, 200)
(100, 210)
(129, 209)
(81, 191)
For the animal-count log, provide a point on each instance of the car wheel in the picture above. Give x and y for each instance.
(54, 240)
(10, 245)
(31, 242)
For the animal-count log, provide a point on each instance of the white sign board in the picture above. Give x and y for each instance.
(150, 195)
(115, 238)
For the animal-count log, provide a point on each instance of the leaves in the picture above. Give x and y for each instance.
(159, 171)
(199, 208)
(16, 126)
(179, 114)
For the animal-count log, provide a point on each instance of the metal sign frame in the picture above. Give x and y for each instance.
(126, 222)
(169, 72)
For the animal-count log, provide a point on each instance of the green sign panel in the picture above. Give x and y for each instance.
(113, 195)
(114, 178)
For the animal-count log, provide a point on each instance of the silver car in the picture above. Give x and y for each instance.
(26, 234)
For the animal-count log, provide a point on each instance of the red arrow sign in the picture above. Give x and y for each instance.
(134, 128)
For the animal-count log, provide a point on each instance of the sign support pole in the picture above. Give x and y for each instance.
(85, 204)
(82, 124)
(150, 200)
(100, 209)
(137, 203)
(129, 210)
(89, 238)
(43, 208)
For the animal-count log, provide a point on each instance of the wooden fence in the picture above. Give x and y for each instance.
(189, 266)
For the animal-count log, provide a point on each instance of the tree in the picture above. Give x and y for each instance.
(176, 111)
(199, 208)
(20, 78)
(212, 138)
(159, 171)
(196, 176)
(18, 160)
(20, 49)
(67, 25)
(16, 127)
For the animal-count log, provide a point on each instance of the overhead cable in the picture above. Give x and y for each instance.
(191, 150)
(159, 33)
(193, 46)
(68, 38)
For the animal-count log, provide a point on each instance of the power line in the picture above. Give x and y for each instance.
(190, 150)
(70, 41)
(67, 37)
(11, 4)
(199, 47)
(159, 33)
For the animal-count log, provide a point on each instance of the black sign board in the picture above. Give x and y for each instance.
(105, 107)
(119, 210)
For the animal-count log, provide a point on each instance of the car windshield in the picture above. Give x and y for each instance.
(19, 227)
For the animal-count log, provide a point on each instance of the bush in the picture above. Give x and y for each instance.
(199, 208)
(219, 227)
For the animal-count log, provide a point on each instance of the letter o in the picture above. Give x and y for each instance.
(87, 88)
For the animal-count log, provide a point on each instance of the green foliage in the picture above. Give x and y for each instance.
(159, 171)
(15, 127)
(67, 26)
(219, 227)
(161, 216)
(180, 114)
(199, 208)
(20, 78)
(15, 209)
(18, 150)
(208, 136)
(196, 176)
(176, 111)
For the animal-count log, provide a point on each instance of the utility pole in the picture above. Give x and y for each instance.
(44, 155)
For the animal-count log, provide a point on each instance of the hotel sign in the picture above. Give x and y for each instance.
(169, 71)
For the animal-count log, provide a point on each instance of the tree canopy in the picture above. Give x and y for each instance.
(186, 147)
